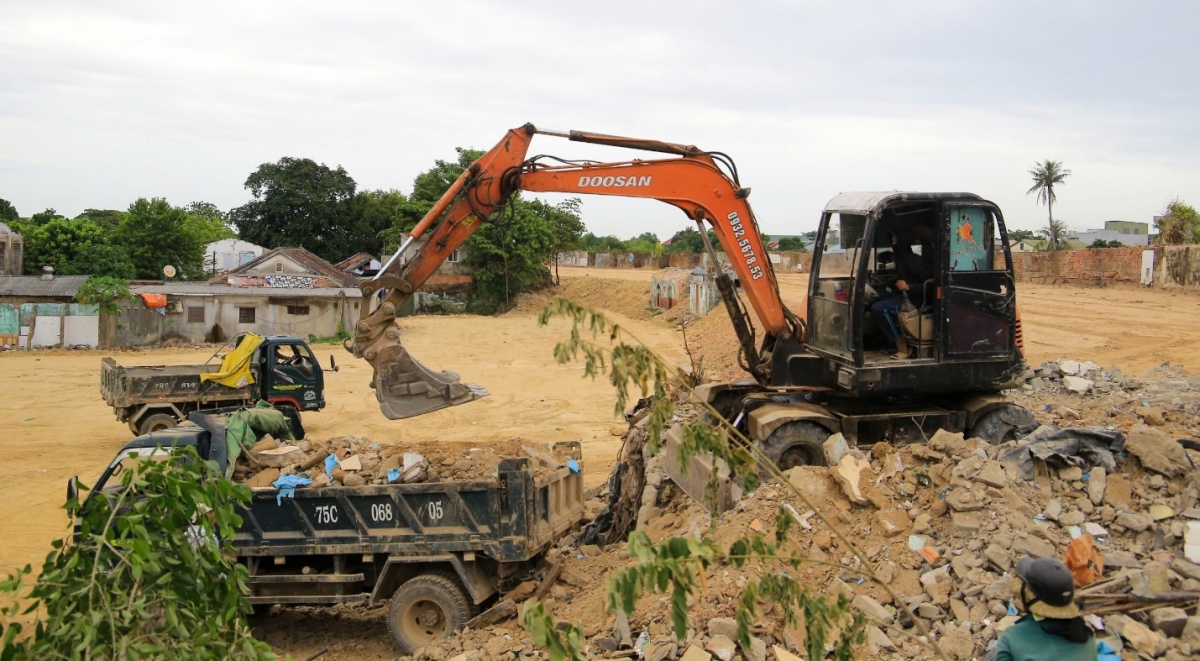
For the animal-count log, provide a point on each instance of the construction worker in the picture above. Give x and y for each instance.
(1052, 628)
(911, 273)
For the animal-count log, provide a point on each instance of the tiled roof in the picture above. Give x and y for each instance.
(314, 264)
(207, 289)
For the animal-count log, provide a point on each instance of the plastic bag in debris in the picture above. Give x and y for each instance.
(287, 486)
(1083, 447)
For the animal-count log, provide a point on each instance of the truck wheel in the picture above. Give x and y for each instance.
(1006, 423)
(156, 422)
(796, 444)
(426, 608)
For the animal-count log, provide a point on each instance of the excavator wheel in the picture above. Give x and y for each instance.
(1006, 423)
(796, 444)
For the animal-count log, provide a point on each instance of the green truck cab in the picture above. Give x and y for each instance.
(153, 397)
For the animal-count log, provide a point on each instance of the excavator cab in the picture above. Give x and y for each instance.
(909, 293)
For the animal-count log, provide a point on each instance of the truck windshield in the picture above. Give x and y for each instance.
(296, 355)
(129, 460)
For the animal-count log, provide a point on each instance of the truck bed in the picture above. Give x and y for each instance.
(141, 384)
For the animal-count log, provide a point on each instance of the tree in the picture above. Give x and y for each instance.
(43, 217)
(565, 225)
(1101, 243)
(376, 212)
(509, 257)
(792, 243)
(74, 247)
(1054, 234)
(108, 219)
(1021, 235)
(689, 240)
(8, 211)
(1179, 223)
(300, 203)
(1046, 176)
(155, 234)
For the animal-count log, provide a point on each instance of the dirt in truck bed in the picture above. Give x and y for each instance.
(364, 462)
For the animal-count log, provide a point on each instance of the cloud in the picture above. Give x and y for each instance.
(103, 103)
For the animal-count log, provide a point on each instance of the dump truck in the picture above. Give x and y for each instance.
(150, 398)
(438, 551)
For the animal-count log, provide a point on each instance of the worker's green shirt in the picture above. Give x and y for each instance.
(1025, 641)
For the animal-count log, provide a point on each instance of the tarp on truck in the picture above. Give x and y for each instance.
(235, 366)
(244, 428)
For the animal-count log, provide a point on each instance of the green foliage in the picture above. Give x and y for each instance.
(300, 203)
(1179, 223)
(376, 214)
(74, 247)
(792, 244)
(1021, 235)
(1054, 234)
(7, 211)
(689, 240)
(1046, 176)
(541, 628)
(155, 234)
(104, 291)
(566, 226)
(149, 576)
(108, 219)
(510, 256)
(44, 217)
(1101, 243)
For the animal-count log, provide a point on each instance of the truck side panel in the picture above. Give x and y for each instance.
(123, 387)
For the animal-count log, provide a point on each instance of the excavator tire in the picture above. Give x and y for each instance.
(796, 444)
(1006, 423)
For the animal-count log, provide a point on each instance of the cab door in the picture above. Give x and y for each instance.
(295, 377)
(979, 301)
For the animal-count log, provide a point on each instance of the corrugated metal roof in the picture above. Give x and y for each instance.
(205, 289)
(314, 264)
(34, 285)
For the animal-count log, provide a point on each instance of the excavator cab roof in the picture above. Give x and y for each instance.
(871, 202)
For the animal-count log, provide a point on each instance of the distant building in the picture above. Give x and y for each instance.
(1024, 246)
(361, 265)
(12, 251)
(287, 268)
(38, 311)
(1122, 231)
(228, 254)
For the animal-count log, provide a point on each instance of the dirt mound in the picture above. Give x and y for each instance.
(630, 298)
(712, 338)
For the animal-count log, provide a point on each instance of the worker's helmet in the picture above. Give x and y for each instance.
(1051, 585)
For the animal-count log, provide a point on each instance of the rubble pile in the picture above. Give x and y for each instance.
(352, 461)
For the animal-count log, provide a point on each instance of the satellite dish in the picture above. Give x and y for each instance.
(169, 271)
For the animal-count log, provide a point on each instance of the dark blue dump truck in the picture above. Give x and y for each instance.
(439, 551)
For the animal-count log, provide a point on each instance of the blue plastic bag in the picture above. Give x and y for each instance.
(287, 486)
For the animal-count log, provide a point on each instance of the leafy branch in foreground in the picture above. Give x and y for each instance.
(678, 564)
(150, 574)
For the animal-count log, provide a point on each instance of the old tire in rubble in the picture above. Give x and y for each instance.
(157, 422)
(426, 608)
(796, 444)
(1006, 423)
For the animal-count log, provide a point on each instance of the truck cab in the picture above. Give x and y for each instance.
(963, 330)
(289, 373)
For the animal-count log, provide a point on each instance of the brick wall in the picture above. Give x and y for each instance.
(1090, 267)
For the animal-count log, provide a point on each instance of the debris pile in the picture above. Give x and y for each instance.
(351, 461)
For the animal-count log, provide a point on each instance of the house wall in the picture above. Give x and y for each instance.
(140, 326)
(12, 251)
(41, 325)
(226, 254)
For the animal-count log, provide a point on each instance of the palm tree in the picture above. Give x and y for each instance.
(1045, 177)
(1054, 234)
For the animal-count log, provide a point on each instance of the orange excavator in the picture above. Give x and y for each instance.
(831, 368)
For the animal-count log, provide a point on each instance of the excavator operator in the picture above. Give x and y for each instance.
(911, 271)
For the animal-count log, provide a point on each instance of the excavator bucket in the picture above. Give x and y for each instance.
(406, 388)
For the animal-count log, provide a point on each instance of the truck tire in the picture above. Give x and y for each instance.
(156, 422)
(426, 608)
(796, 444)
(1006, 423)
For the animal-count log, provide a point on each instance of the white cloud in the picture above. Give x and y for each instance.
(100, 104)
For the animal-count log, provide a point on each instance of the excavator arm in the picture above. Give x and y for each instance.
(692, 180)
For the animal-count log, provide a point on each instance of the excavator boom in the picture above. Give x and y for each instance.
(693, 181)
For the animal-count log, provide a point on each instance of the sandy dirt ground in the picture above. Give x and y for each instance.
(53, 423)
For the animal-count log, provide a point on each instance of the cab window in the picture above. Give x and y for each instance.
(295, 355)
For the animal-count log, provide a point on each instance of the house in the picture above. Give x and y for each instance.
(39, 311)
(454, 268)
(207, 312)
(12, 251)
(228, 254)
(289, 268)
(361, 265)
(1027, 245)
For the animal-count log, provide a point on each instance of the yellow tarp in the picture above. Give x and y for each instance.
(235, 367)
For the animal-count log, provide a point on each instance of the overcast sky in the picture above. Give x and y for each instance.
(101, 102)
